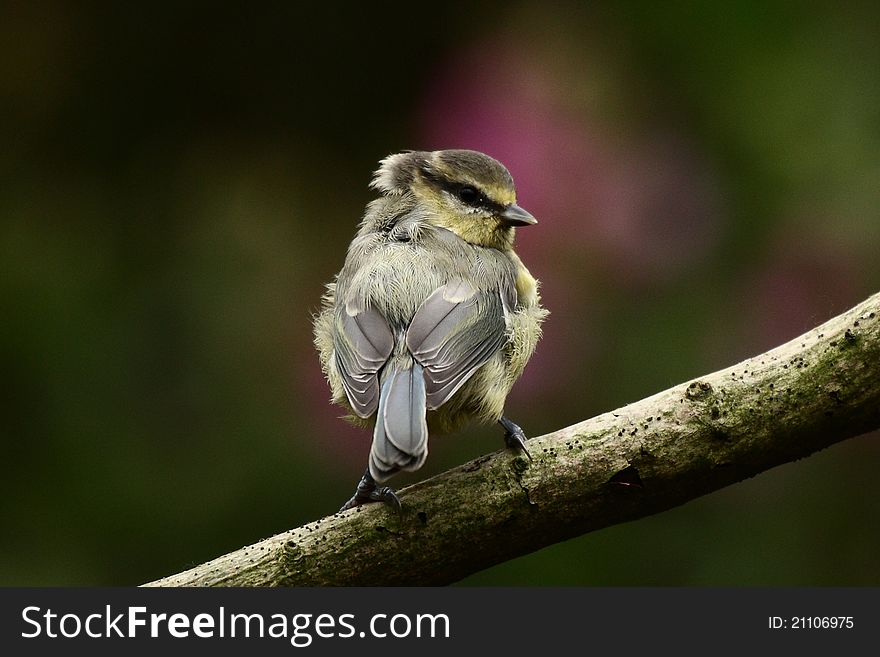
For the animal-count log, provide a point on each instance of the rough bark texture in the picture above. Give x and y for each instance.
(643, 458)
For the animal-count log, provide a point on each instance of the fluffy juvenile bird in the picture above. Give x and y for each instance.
(433, 316)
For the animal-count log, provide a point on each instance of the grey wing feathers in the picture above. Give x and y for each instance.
(400, 437)
(362, 345)
(455, 331)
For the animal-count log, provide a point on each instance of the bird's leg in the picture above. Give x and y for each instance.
(514, 436)
(367, 491)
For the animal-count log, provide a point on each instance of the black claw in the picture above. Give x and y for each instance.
(367, 491)
(514, 436)
(387, 496)
(353, 502)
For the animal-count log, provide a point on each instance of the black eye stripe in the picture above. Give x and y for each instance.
(467, 194)
(470, 195)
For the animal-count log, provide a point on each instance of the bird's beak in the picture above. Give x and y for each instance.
(514, 215)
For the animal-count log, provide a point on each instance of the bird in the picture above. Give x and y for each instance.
(433, 316)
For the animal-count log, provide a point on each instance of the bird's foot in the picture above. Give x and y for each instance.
(367, 491)
(514, 436)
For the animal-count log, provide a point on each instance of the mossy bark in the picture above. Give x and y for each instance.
(646, 457)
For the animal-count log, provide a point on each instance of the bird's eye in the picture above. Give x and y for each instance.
(468, 194)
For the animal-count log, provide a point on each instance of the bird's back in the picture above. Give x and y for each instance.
(395, 270)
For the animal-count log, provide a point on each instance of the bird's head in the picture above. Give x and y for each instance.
(466, 192)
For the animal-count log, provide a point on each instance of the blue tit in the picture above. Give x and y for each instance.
(433, 316)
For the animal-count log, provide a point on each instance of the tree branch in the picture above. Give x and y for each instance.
(694, 438)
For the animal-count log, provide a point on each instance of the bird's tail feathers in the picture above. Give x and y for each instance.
(400, 437)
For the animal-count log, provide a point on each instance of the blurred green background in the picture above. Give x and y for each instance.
(180, 180)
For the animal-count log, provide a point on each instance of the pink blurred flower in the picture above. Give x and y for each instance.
(646, 209)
